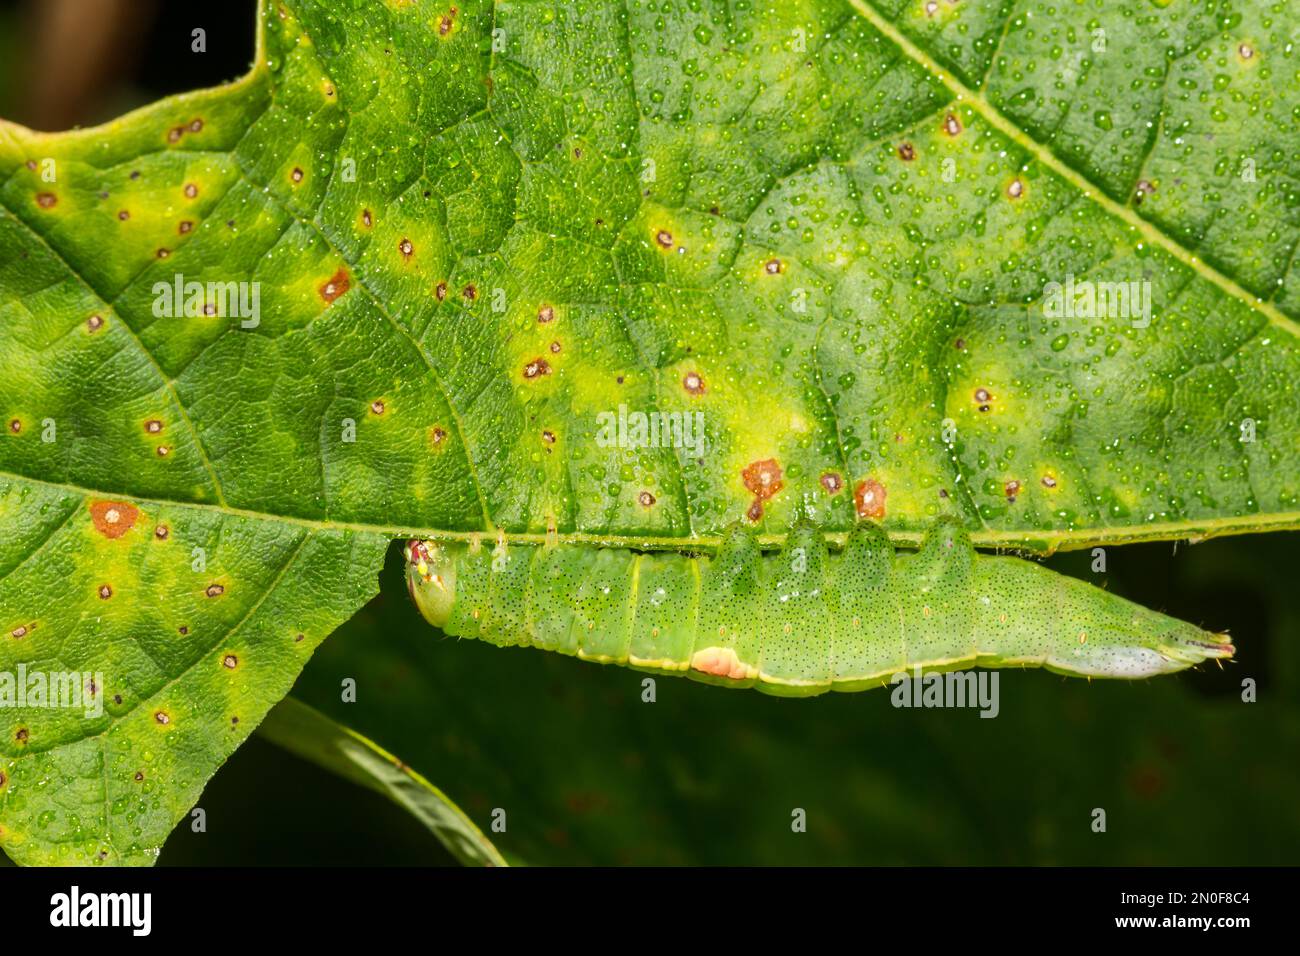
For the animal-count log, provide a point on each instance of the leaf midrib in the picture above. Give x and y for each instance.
(1090, 190)
(1035, 541)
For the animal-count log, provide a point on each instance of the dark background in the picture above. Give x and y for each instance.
(66, 63)
(1186, 771)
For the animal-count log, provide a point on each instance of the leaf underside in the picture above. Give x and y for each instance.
(827, 228)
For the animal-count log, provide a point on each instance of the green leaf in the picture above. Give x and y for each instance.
(311, 735)
(829, 229)
(167, 669)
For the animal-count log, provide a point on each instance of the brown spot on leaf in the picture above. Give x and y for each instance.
(336, 285)
(105, 592)
(21, 631)
(405, 248)
(296, 175)
(191, 190)
(446, 21)
(555, 347)
(21, 735)
(906, 152)
(437, 435)
(163, 252)
(153, 426)
(123, 215)
(162, 717)
(113, 519)
(1016, 189)
(440, 291)
(15, 426)
(1049, 481)
(952, 125)
(1143, 189)
(470, 292)
(230, 661)
(763, 478)
(163, 451)
(46, 200)
(548, 436)
(139, 775)
(545, 314)
(869, 499)
(693, 383)
(1012, 488)
(367, 219)
(212, 590)
(377, 406)
(161, 532)
(536, 368)
(832, 482)
(184, 226)
(196, 124)
(183, 630)
(95, 323)
(646, 499)
(664, 238)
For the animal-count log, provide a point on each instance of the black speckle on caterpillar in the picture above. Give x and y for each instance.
(802, 621)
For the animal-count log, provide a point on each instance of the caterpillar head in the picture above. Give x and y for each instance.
(1171, 645)
(1146, 645)
(431, 579)
(1190, 645)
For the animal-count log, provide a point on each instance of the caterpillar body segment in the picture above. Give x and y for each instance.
(801, 621)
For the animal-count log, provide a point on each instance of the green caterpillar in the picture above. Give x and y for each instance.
(803, 622)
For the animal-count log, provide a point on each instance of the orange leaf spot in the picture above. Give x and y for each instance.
(869, 499)
(113, 519)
